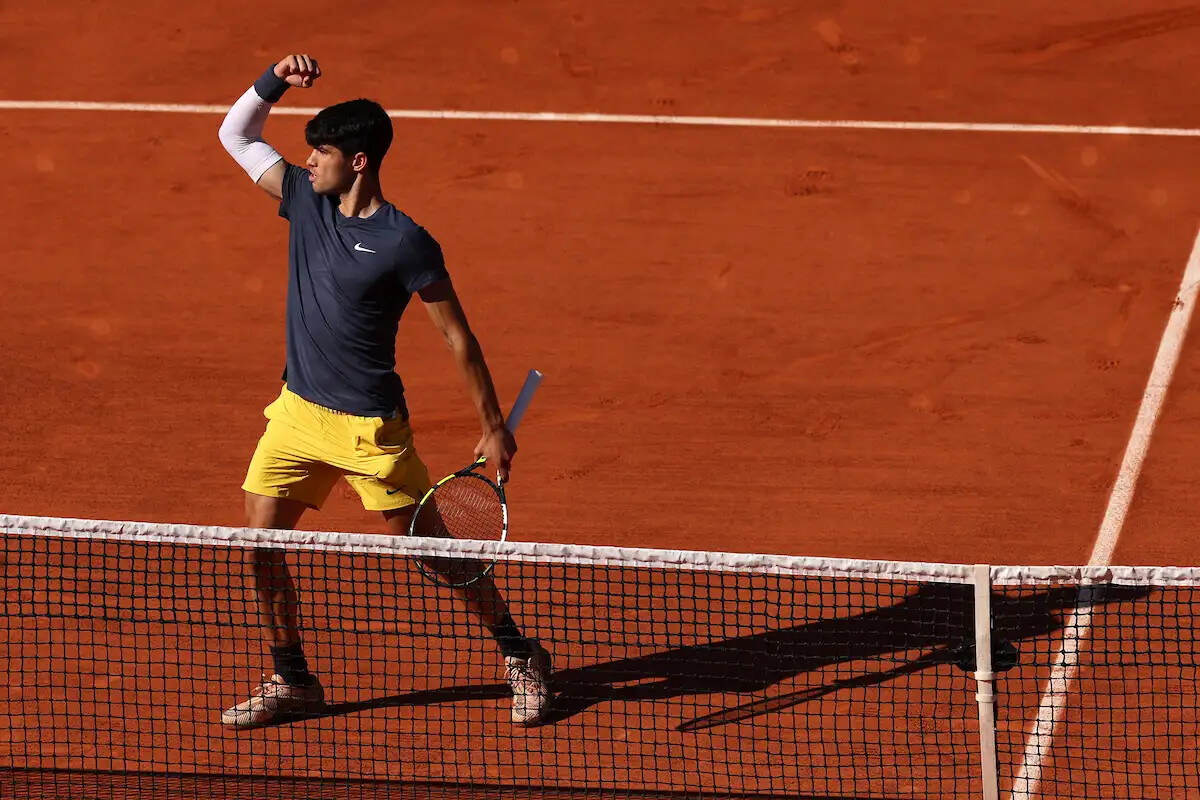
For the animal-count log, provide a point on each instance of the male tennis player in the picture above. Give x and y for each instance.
(355, 260)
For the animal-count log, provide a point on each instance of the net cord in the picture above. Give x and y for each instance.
(591, 555)
(529, 552)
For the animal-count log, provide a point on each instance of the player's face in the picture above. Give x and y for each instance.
(329, 170)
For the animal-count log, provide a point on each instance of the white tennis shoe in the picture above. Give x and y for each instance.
(273, 700)
(530, 682)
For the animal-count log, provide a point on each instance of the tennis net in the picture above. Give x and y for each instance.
(676, 674)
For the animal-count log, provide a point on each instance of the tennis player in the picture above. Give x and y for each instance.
(354, 262)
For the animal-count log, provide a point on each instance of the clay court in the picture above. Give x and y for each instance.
(906, 343)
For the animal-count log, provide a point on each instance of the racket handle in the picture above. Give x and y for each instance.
(532, 381)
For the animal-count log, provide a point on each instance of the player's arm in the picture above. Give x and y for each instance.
(497, 444)
(241, 131)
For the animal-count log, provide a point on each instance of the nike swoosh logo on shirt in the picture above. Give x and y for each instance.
(358, 246)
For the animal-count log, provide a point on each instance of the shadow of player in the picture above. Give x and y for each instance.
(931, 627)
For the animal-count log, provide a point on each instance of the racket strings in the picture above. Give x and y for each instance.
(464, 507)
(467, 508)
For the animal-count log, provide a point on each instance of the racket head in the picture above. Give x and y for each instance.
(464, 505)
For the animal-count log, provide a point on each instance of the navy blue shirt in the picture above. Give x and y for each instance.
(349, 280)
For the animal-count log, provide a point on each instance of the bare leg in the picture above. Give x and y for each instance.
(292, 691)
(277, 600)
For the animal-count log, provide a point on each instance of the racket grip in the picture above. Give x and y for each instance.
(532, 381)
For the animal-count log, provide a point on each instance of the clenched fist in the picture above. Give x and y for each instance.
(298, 70)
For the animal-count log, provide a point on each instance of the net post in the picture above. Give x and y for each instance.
(985, 677)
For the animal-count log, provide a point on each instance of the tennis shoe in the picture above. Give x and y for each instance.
(530, 682)
(275, 701)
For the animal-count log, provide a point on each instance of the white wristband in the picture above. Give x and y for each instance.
(241, 135)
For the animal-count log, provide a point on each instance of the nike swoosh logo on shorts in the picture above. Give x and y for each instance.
(358, 246)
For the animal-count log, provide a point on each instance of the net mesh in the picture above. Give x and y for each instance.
(676, 674)
(123, 644)
(1103, 702)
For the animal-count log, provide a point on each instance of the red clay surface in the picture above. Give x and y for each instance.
(1161, 528)
(924, 346)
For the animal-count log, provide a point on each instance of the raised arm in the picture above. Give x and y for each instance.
(241, 131)
(497, 443)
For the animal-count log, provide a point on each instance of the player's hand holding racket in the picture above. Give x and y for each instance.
(497, 448)
(469, 504)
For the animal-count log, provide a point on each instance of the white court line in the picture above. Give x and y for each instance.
(1078, 624)
(629, 119)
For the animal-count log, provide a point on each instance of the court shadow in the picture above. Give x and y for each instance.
(931, 627)
(428, 697)
(937, 622)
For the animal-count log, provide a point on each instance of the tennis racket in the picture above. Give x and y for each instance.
(468, 504)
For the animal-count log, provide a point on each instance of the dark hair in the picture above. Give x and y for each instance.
(356, 126)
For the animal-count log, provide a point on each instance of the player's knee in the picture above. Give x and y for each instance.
(272, 512)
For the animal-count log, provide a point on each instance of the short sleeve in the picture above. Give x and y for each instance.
(420, 263)
(295, 182)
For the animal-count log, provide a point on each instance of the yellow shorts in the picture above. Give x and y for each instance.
(307, 447)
